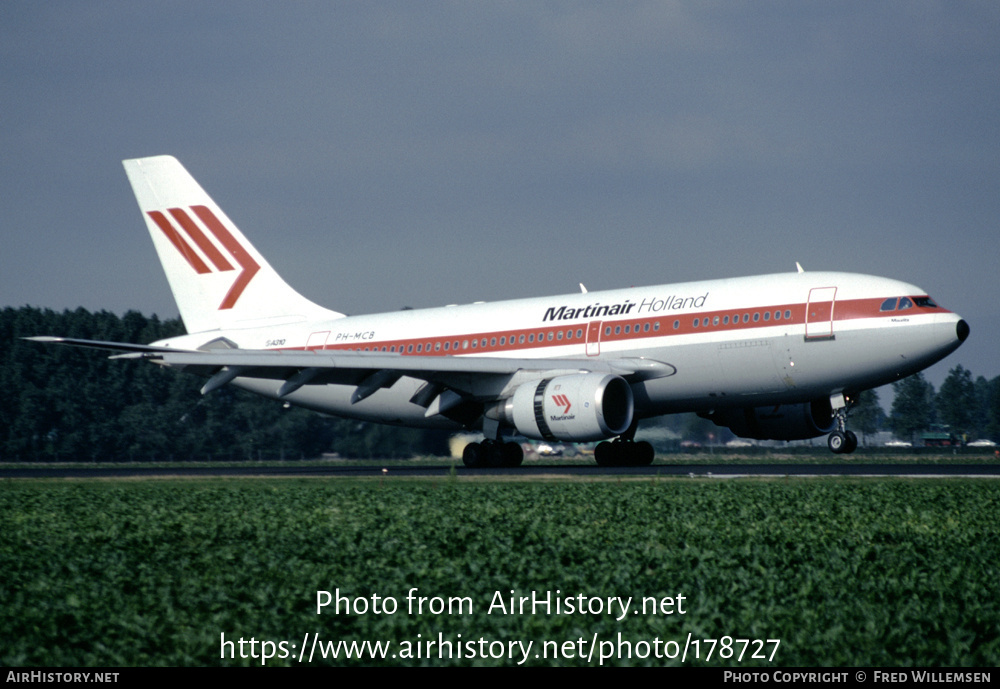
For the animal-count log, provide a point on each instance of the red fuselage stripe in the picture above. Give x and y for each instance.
(727, 320)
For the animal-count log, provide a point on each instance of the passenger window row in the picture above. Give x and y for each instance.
(756, 317)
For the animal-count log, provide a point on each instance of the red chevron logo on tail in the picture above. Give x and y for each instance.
(207, 250)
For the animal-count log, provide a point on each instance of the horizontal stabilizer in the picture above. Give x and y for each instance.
(101, 344)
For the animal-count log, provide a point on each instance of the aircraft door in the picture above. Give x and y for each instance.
(594, 338)
(819, 313)
(317, 340)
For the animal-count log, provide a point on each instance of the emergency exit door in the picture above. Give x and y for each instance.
(594, 338)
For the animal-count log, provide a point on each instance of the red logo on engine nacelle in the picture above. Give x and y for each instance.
(562, 401)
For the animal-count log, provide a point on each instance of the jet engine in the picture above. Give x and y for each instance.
(575, 408)
(783, 422)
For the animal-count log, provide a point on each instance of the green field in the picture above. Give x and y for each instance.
(842, 572)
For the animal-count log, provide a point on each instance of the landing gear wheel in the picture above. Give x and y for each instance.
(644, 454)
(472, 455)
(842, 442)
(511, 455)
(605, 455)
(492, 453)
(837, 442)
(852, 442)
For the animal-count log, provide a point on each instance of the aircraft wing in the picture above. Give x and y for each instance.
(471, 377)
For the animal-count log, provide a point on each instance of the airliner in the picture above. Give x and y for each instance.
(777, 357)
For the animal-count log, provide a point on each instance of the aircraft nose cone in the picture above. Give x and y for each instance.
(962, 330)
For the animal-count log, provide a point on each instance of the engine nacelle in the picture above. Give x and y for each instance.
(575, 408)
(783, 422)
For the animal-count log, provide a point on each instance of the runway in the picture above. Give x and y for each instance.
(396, 468)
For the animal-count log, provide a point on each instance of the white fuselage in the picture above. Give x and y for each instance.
(740, 342)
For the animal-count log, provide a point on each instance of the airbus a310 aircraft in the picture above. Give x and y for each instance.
(770, 357)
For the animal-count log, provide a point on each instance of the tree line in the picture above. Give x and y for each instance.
(968, 408)
(71, 404)
(963, 408)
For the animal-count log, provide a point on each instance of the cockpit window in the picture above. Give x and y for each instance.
(901, 303)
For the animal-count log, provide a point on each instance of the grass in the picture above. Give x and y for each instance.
(843, 571)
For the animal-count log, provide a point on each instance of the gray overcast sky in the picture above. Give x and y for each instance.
(383, 154)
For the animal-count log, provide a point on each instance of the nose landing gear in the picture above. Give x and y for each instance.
(841, 441)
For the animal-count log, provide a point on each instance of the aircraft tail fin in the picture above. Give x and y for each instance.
(219, 280)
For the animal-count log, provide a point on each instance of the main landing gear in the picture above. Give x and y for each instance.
(492, 453)
(624, 451)
(841, 441)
